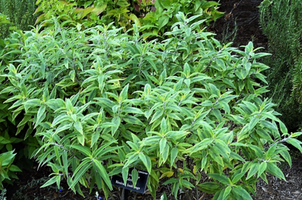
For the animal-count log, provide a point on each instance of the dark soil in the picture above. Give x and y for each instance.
(239, 25)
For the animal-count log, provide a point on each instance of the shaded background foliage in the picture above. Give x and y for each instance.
(281, 22)
(20, 15)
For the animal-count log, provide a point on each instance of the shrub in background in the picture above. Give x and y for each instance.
(280, 21)
(100, 102)
(18, 13)
(155, 16)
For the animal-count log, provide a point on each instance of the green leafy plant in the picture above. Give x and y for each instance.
(280, 22)
(101, 101)
(155, 16)
(16, 15)
(7, 169)
(11, 138)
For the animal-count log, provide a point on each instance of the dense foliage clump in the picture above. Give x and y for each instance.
(100, 102)
(280, 21)
(156, 17)
(16, 15)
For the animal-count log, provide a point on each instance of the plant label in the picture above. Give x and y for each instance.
(140, 186)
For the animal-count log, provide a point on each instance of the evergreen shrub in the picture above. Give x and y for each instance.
(280, 21)
(20, 15)
(100, 101)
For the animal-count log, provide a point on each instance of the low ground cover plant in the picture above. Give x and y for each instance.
(100, 101)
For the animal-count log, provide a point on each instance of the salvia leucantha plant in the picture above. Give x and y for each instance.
(101, 101)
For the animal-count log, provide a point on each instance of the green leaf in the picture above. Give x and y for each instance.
(261, 168)
(237, 177)
(156, 115)
(124, 93)
(125, 173)
(134, 175)
(103, 173)
(55, 104)
(146, 160)
(162, 145)
(221, 178)
(253, 123)
(85, 150)
(253, 170)
(283, 127)
(133, 120)
(164, 126)
(95, 137)
(227, 192)
(50, 182)
(174, 153)
(287, 157)
(209, 187)
(80, 171)
(200, 146)
(242, 192)
(132, 110)
(236, 156)
(81, 139)
(296, 143)
(7, 158)
(59, 119)
(78, 126)
(132, 158)
(274, 170)
(163, 20)
(271, 152)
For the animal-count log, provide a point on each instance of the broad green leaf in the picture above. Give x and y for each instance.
(124, 93)
(287, 157)
(165, 153)
(103, 173)
(146, 160)
(253, 170)
(200, 146)
(283, 127)
(60, 119)
(125, 173)
(162, 145)
(78, 126)
(134, 175)
(81, 139)
(95, 137)
(50, 182)
(133, 120)
(174, 153)
(242, 192)
(164, 126)
(237, 177)
(236, 156)
(296, 143)
(271, 152)
(209, 187)
(83, 149)
(163, 20)
(7, 158)
(261, 168)
(274, 170)
(80, 171)
(227, 192)
(55, 104)
(221, 178)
